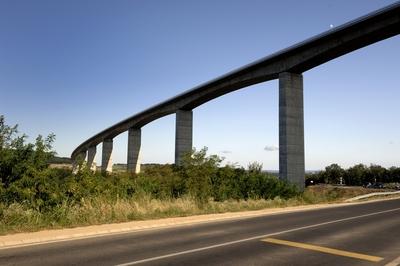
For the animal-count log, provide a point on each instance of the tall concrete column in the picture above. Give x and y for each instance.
(291, 129)
(106, 161)
(134, 142)
(77, 160)
(183, 134)
(91, 155)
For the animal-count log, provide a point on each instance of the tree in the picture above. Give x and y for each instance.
(394, 174)
(198, 170)
(356, 175)
(377, 173)
(333, 173)
(7, 135)
(19, 159)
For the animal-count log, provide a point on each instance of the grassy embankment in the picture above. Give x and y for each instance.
(99, 210)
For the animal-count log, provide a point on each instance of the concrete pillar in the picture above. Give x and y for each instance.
(77, 160)
(134, 141)
(106, 161)
(183, 134)
(91, 156)
(291, 129)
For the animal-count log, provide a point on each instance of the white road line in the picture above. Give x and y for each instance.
(252, 238)
(395, 262)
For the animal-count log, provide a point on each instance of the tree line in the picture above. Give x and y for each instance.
(356, 175)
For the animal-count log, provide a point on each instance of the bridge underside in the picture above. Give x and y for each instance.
(291, 135)
(286, 65)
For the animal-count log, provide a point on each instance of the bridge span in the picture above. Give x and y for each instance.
(286, 65)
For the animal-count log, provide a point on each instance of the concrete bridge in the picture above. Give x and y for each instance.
(286, 65)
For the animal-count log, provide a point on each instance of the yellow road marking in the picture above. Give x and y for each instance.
(323, 249)
(395, 262)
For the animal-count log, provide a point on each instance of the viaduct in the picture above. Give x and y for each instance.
(286, 65)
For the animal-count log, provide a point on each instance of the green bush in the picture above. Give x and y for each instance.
(198, 170)
(161, 181)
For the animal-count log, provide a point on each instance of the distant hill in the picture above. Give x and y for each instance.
(60, 160)
(118, 167)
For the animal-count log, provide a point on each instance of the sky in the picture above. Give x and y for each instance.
(74, 68)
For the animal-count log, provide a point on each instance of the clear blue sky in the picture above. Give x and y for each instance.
(77, 67)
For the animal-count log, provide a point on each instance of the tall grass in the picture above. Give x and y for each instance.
(19, 217)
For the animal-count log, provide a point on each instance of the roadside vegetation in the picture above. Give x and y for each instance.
(34, 196)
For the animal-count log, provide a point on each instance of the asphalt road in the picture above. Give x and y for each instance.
(365, 234)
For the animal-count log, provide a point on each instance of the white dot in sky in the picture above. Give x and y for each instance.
(331, 26)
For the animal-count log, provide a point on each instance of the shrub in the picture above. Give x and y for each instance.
(198, 170)
(161, 181)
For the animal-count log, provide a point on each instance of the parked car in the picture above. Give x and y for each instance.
(377, 185)
(374, 185)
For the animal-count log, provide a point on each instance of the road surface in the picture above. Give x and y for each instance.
(364, 234)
